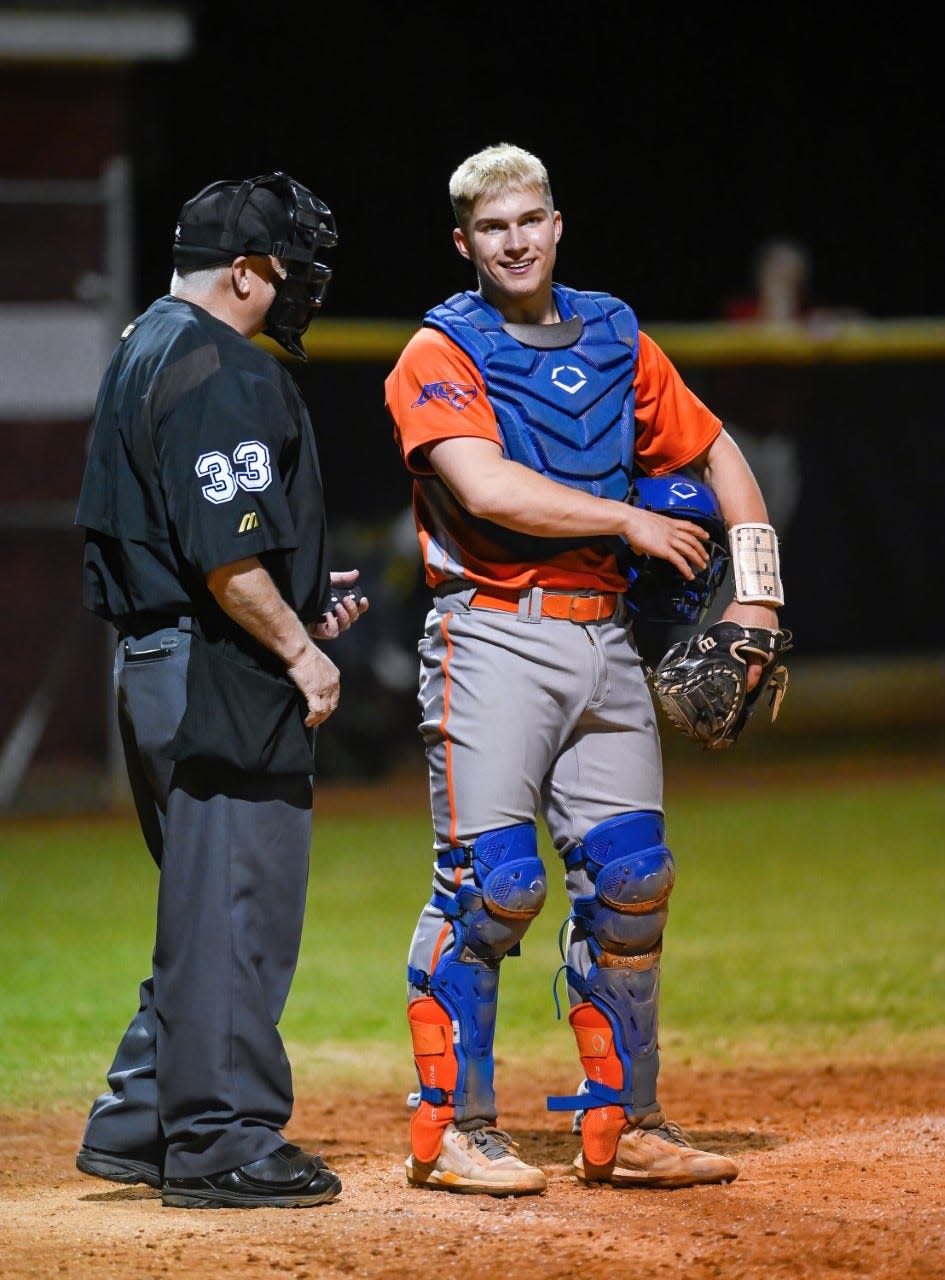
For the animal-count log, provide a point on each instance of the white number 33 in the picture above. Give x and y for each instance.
(248, 470)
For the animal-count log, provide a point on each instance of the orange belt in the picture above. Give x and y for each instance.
(574, 607)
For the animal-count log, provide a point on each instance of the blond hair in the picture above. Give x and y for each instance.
(502, 167)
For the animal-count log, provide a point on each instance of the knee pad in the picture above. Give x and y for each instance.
(491, 916)
(633, 874)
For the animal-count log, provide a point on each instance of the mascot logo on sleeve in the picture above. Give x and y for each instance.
(456, 394)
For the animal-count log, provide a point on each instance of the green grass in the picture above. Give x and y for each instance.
(806, 923)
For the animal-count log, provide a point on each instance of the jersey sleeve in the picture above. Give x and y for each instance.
(220, 455)
(673, 425)
(435, 392)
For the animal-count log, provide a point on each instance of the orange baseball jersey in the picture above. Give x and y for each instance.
(673, 427)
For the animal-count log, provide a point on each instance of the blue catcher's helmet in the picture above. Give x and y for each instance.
(657, 590)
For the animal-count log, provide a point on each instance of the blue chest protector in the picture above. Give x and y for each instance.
(565, 410)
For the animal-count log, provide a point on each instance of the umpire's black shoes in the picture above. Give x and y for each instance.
(128, 1167)
(288, 1178)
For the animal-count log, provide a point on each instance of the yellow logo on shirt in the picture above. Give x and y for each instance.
(249, 522)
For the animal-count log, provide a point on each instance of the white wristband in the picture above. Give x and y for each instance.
(755, 563)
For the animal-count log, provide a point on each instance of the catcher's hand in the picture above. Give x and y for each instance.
(702, 683)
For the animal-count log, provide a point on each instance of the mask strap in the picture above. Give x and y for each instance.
(237, 205)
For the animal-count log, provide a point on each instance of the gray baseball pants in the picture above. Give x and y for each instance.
(525, 718)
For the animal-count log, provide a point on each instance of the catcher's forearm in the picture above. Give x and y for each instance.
(728, 475)
(492, 487)
(753, 541)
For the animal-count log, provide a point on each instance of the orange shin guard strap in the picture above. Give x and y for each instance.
(601, 1127)
(432, 1032)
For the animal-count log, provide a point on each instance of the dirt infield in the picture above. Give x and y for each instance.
(842, 1174)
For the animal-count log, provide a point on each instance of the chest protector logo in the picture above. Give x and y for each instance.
(568, 377)
(566, 410)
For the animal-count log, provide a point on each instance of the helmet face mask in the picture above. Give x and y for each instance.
(657, 590)
(303, 290)
(296, 301)
(270, 214)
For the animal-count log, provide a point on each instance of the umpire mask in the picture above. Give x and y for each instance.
(269, 214)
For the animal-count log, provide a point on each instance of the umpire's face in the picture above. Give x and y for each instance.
(257, 278)
(511, 239)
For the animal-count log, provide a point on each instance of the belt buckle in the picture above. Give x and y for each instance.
(587, 597)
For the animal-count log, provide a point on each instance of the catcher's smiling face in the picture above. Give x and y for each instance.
(511, 239)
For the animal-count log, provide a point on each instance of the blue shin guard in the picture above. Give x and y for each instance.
(632, 873)
(489, 917)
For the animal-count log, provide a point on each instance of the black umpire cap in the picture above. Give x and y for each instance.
(222, 221)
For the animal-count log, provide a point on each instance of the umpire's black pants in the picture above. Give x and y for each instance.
(200, 1082)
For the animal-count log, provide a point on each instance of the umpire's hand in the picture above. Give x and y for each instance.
(319, 682)
(347, 604)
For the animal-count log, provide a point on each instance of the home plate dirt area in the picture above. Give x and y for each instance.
(842, 1173)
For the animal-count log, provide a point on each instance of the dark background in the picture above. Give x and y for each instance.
(676, 141)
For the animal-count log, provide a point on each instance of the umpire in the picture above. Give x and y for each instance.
(205, 548)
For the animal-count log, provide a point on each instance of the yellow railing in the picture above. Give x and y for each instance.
(843, 342)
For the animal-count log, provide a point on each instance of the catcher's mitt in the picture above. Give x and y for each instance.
(702, 686)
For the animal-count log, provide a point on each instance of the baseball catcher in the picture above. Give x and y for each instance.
(702, 683)
(525, 411)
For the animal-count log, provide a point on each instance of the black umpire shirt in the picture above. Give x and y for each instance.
(202, 454)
